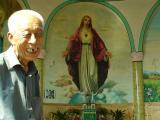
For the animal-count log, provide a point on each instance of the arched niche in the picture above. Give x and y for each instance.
(116, 33)
(149, 43)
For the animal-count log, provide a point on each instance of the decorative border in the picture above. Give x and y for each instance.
(26, 4)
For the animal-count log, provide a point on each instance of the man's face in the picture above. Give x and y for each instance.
(27, 41)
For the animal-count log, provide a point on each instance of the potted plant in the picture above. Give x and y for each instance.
(58, 115)
(118, 114)
(102, 114)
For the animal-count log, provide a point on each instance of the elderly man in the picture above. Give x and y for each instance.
(19, 78)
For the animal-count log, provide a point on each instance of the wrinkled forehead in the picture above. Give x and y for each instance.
(29, 22)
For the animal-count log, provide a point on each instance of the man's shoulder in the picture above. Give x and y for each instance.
(1, 62)
(1, 58)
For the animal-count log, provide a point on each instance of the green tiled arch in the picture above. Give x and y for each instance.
(26, 4)
(146, 24)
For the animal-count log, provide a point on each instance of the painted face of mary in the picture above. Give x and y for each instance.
(86, 21)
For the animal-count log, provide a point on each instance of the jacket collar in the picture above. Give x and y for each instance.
(11, 58)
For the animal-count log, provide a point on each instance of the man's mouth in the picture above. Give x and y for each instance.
(32, 50)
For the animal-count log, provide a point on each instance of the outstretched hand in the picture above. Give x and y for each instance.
(65, 53)
(109, 54)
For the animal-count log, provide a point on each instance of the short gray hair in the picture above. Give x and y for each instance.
(18, 15)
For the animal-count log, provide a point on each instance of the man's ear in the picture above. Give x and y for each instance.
(10, 38)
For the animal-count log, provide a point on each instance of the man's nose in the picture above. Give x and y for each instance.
(33, 39)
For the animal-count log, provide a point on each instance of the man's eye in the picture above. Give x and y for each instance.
(28, 35)
(39, 34)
